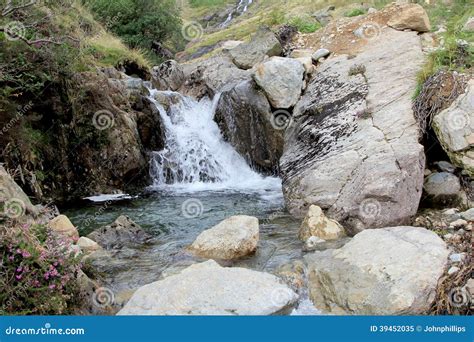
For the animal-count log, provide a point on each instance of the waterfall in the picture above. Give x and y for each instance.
(241, 8)
(195, 156)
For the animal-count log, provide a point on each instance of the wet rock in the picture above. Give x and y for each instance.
(442, 189)
(317, 224)
(352, 148)
(209, 289)
(233, 238)
(123, 231)
(410, 16)
(312, 242)
(246, 120)
(454, 128)
(263, 43)
(281, 79)
(293, 274)
(368, 276)
(168, 76)
(63, 226)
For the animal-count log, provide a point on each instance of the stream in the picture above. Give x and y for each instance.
(198, 181)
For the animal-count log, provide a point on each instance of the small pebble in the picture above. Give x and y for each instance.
(453, 270)
(457, 257)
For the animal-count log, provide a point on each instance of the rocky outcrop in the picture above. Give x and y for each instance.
(209, 289)
(63, 226)
(15, 203)
(248, 124)
(211, 76)
(454, 128)
(410, 16)
(123, 231)
(233, 238)
(168, 76)
(390, 271)
(281, 79)
(263, 43)
(316, 224)
(352, 148)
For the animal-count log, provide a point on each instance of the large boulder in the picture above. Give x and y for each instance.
(317, 224)
(410, 16)
(281, 79)
(209, 289)
(15, 203)
(63, 226)
(168, 75)
(442, 189)
(352, 148)
(263, 43)
(454, 128)
(248, 124)
(123, 231)
(390, 271)
(233, 238)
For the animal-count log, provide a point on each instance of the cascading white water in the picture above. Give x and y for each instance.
(239, 10)
(195, 156)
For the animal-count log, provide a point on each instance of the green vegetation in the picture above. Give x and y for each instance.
(139, 23)
(207, 3)
(39, 271)
(355, 12)
(304, 24)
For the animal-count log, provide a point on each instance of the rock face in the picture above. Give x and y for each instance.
(209, 289)
(264, 43)
(245, 119)
(352, 148)
(442, 189)
(168, 76)
(281, 79)
(233, 238)
(390, 271)
(14, 201)
(454, 128)
(63, 226)
(316, 224)
(122, 231)
(410, 16)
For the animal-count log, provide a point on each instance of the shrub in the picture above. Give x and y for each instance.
(305, 24)
(38, 272)
(355, 12)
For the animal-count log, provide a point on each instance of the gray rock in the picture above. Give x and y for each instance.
(168, 76)
(263, 43)
(209, 289)
(324, 16)
(15, 203)
(353, 146)
(248, 124)
(454, 128)
(123, 231)
(469, 25)
(389, 271)
(233, 238)
(444, 166)
(457, 257)
(281, 79)
(442, 189)
(321, 53)
(468, 215)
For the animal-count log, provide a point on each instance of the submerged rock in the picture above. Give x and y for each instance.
(263, 43)
(233, 238)
(281, 79)
(389, 271)
(121, 232)
(209, 289)
(352, 148)
(454, 128)
(316, 224)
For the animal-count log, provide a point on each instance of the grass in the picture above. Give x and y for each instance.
(355, 12)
